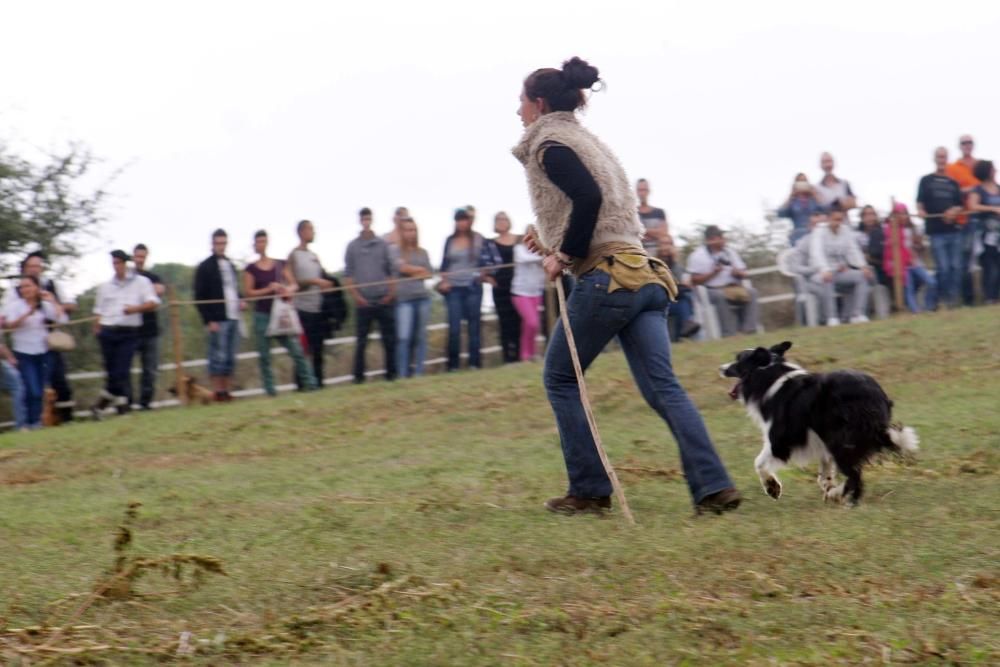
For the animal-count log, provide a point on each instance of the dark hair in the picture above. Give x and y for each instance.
(299, 227)
(37, 282)
(562, 89)
(220, 233)
(260, 234)
(365, 212)
(400, 209)
(138, 247)
(38, 253)
(982, 170)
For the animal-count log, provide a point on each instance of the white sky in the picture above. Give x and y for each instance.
(250, 115)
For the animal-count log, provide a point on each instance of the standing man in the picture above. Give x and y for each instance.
(368, 261)
(119, 306)
(652, 218)
(216, 281)
(393, 238)
(832, 190)
(962, 171)
(148, 347)
(722, 271)
(939, 201)
(308, 273)
(55, 364)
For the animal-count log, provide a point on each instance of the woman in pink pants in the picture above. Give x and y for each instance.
(526, 291)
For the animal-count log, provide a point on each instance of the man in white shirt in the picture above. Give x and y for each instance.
(119, 306)
(722, 271)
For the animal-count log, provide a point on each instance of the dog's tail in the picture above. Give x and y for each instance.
(905, 439)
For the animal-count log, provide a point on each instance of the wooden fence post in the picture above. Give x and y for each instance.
(897, 259)
(178, 341)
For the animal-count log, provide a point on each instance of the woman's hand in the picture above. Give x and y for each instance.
(552, 266)
(531, 242)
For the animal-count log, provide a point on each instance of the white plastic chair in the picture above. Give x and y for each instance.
(806, 303)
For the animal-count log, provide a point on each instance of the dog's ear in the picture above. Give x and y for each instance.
(781, 348)
(760, 357)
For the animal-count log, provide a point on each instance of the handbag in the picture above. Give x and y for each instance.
(61, 341)
(736, 293)
(284, 318)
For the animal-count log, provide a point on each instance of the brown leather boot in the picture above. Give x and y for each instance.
(576, 505)
(719, 502)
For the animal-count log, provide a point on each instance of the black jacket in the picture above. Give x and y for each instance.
(208, 286)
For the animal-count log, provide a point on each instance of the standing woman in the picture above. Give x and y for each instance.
(510, 321)
(413, 301)
(467, 258)
(587, 217)
(985, 201)
(268, 277)
(27, 316)
(527, 290)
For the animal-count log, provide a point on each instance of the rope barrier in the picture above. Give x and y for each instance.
(252, 299)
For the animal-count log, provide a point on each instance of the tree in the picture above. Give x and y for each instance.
(42, 206)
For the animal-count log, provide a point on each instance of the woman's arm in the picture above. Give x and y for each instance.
(248, 288)
(570, 175)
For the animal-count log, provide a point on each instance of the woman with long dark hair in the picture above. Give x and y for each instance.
(985, 201)
(28, 315)
(509, 320)
(588, 220)
(467, 258)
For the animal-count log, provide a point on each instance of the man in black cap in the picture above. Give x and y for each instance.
(119, 306)
(722, 271)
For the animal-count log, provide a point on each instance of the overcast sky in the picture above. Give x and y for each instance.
(250, 115)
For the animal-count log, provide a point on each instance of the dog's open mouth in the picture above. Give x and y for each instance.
(734, 393)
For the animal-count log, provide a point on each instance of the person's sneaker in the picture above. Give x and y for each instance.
(833, 322)
(690, 328)
(576, 505)
(719, 502)
(860, 319)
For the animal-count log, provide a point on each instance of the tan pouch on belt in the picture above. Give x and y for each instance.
(631, 272)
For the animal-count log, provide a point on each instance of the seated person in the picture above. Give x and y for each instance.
(836, 255)
(799, 264)
(722, 271)
(680, 317)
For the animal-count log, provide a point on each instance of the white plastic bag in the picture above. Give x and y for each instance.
(284, 320)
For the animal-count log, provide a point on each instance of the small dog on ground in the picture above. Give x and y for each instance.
(193, 392)
(50, 416)
(841, 419)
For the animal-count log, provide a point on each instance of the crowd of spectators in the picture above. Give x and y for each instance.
(386, 280)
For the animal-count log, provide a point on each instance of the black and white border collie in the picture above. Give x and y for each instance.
(840, 418)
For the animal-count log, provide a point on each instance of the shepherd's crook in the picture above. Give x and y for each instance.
(585, 399)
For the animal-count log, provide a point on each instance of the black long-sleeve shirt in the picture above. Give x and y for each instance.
(565, 169)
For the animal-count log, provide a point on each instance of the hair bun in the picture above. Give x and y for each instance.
(578, 73)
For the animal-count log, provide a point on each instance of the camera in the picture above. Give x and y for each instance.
(724, 261)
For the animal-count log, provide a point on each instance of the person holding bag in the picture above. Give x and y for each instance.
(274, 318)
(28, 314)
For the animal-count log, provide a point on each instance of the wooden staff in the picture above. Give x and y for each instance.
(897, 260)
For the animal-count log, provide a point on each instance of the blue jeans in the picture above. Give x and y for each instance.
(969, 233)
(32, 367)
(411, 336)
(680, 312)
(464, 303)
(916, 277)
(14, 385)
(639, 321)
(947, 251)
(222, 346)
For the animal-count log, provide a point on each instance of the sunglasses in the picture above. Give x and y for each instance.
(965, 143)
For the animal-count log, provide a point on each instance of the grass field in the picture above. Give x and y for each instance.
(402, 524)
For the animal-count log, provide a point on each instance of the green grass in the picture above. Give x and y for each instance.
(402, 525)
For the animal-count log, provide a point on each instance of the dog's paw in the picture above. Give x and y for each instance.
(834, 495)
(772, 487)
